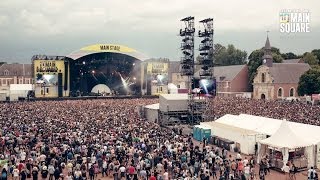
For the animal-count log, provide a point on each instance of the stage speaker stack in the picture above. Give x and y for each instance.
(66, 72)
(60, 92)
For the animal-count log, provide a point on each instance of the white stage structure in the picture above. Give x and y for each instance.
(19, 91)
(175, 107)
(101, 89)
(151, 112)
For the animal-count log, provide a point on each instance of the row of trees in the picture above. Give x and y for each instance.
(309, 82)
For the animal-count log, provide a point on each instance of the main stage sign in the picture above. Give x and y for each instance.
(108, 48)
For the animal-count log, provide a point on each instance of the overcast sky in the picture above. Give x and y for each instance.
(58, 27)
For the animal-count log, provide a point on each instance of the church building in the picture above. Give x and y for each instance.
(277, 80)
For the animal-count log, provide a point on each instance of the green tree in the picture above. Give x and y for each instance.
(310, 58)
(277, 58)
(309, 82)
(316, 52)
(289, 55)
(255, 60)
(229, 56)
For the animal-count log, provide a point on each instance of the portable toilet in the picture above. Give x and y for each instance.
(196, 132)
(205, 133)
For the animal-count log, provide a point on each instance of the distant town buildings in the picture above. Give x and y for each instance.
(15, 74)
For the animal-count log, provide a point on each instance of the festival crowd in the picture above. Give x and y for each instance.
(292, 111)
(107, 139)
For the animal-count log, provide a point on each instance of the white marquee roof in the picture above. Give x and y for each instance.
(284, 137)
(269, 126)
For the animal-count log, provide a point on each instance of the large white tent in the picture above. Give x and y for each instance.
(245, 138)
(247, 130)
(285, 139)
(227, 127)
(269, 126)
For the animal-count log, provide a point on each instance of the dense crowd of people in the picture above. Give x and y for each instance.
(293, 111)
(94, 139)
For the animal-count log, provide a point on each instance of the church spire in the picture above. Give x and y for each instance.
(267, 46)
(267, 57)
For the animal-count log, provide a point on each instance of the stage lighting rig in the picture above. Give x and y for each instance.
(206, 48)
(187, 46)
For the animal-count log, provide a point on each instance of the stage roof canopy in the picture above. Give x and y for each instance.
(107, 48)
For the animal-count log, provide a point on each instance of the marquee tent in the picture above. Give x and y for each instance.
(247, 130)
(245, 138)
(285, 139)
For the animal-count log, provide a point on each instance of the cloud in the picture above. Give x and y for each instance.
(58, 26)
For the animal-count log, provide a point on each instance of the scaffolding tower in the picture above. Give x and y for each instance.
(187, 62)
(206, 61)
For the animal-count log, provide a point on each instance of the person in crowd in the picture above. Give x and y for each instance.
(286, 170)
(293, 171)
(4, 174)
(23, 174)
(312, 174)
(51, 171)
(44, 172)
(15, 173)
(35, 173)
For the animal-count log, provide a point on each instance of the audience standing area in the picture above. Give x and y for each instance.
(281, 140)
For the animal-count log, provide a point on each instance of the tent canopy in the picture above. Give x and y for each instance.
(284, 137)
(152, 106)
(233, 128)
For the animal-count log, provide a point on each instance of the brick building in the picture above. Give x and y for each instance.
(277, 80)
(175, 75)
(15, 74)
(231, 80)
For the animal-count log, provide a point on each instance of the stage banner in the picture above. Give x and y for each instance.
(108, 48)
(157, 68)
(46, 71)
